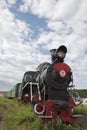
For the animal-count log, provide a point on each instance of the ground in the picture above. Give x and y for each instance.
(82, 121)
(2, 121)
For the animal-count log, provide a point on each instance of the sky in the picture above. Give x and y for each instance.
(30, 28)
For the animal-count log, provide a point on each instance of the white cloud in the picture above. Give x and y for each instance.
(11, 3)
(14, 55)
(55, 10)
(38, 7)
(67, 24)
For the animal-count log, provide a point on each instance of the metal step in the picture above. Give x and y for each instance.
(76, 115)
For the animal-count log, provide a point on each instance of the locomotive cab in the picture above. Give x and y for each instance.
(28, 89)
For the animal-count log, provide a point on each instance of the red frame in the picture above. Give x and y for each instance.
(49, 114)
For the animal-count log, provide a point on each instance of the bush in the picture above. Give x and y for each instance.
(81, 109)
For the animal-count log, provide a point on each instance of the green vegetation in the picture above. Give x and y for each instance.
(82, 119)
(82, 92)
(19, 116)
(81, 109)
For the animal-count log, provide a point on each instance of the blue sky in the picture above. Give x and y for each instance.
(30, 28)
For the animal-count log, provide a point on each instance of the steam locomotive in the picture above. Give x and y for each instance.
(47, 88)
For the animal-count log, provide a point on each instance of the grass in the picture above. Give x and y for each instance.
(20, 116)
(3, 105)
(81, 109)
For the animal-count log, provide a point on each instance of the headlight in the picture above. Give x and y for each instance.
(61, 54)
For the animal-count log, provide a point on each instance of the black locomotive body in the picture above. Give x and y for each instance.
(47, 88)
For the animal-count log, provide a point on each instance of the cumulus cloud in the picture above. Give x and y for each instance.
(56, 9)
(14, 50)
(66, 23)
